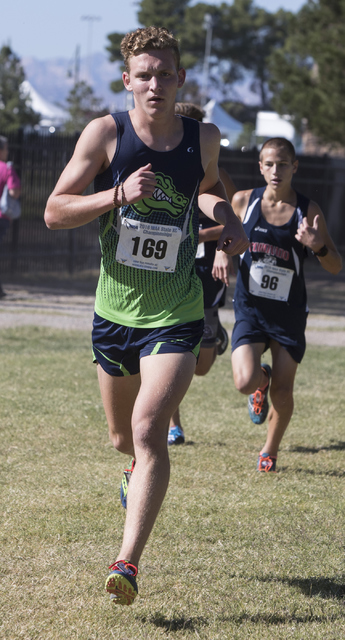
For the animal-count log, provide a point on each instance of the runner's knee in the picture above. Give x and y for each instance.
(149, 435)
(206, 359)
(281, 397)
(121, 442)
(245, 381)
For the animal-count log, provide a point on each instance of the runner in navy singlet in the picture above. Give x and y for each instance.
(270, 301)
(212, 267)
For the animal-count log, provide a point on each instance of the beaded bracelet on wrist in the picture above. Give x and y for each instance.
(116, 188)
(122, 194)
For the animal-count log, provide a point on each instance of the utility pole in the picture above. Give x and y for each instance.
(77, 65)
(208, 25)
(74, 71)
(90, 20)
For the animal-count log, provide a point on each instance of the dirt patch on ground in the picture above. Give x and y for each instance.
(66, 302)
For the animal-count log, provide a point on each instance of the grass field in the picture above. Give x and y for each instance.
(234, 554)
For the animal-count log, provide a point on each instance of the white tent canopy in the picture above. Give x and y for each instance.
(229, 128)
(51, 114)
(270, 124)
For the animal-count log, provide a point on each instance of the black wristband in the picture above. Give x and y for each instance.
(322, 252)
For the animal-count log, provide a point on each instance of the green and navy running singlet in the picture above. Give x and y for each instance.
(147, 276)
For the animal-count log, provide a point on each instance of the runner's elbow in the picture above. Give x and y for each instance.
(51, 217)
(49, 220)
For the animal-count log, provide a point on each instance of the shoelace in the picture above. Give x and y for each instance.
(126, 567)
(258, 400)
(132, 466)
(269, 463)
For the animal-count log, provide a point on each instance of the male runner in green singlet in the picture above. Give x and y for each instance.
(149, 313)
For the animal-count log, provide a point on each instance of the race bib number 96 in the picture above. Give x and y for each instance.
(270, 281)
(148, 246)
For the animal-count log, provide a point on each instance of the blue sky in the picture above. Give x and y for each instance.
(43, 29)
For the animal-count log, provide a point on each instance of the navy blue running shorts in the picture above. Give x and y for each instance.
(214, 290)
(118, 349)
(245, 331)
(209, 338)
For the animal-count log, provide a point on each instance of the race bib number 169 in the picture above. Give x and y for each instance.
(148, 246)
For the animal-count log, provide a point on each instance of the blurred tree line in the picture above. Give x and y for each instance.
(14, 108)
(307, 74)
(243, 36)
(295, 63)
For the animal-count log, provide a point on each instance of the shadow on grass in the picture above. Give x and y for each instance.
(324, 587)
(332, 446)
(276, 619)
(328, 474)
(177, 623)
(327, 588)
(192, 443)
(313, 472)
(336, 446)
(321, 586)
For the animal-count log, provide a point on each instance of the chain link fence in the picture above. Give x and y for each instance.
(39, 158)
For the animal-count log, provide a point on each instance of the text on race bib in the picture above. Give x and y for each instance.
(270, 281)
(148, 246)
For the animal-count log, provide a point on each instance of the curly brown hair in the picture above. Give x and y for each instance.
(148, 38)
(190, 110)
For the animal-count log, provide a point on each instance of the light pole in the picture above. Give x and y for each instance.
(90, 20)
(208, 25)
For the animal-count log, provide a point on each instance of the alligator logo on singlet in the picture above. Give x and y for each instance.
(164, 199)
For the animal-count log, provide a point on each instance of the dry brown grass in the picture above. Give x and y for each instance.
(233, 555)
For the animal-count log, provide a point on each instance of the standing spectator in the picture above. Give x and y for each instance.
(7, 176)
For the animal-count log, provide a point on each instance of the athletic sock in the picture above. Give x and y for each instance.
(268, 381)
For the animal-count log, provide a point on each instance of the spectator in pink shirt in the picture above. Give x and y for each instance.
(7, 176)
